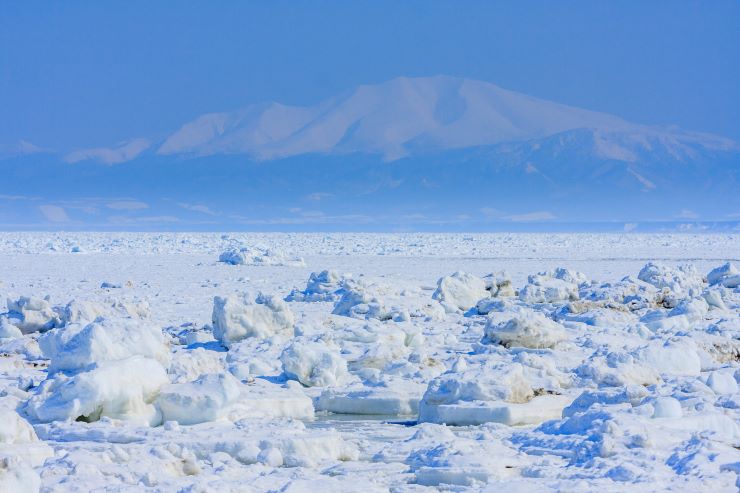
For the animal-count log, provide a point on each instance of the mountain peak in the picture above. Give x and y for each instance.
(402, 117)
(393, 119)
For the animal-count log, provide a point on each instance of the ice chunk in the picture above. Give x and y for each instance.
(617, 369)
(214, 397)
(367, 300)
(551, 287)
(77, 347)
(464, 464)
(499, 285)
(667, 407)
(727, 275)
(675, 358)
(122, 389)
(722, 382)
(390, 397)
(189, 364)
(206, 399)
(460, 291)
(246, 255)
(8, 330)
(314, 364)
(376, 345)
(370, 401)
(362, 300)
(683, 281)
(526, 328)
(499, 393)
(14, 429)
(32, 314)
(322, 286)
(236, 318)
(16, 476)
(18, 439)
(714, 297)
(628, 394)
(88, 311)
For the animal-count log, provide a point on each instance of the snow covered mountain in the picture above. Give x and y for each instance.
(411, 153)
(407, 116)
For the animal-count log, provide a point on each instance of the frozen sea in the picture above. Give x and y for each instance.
(369, 362)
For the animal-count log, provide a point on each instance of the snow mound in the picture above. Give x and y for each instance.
(526, 328)
(314, 364)
(32, 314)
(122, 389)
(460, 291)
(78, 347)
(322, 286)
(236, 318)
(258, 256)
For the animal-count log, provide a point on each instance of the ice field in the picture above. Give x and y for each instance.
(369, 362)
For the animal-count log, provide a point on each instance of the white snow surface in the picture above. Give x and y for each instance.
(139, 362)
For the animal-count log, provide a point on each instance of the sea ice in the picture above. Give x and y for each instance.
(236, 318)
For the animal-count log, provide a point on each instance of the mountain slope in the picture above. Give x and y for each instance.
(408, 116)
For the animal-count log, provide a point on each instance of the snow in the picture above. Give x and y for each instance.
(579, 368)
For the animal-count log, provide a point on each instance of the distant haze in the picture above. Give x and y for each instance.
(382, 116)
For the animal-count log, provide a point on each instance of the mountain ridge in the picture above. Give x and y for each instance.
(395, 119)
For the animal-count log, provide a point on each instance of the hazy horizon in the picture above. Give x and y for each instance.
(370, 116)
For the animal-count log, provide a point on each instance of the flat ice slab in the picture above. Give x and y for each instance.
(539, 409)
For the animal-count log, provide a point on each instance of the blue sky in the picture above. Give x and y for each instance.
(78, 74)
